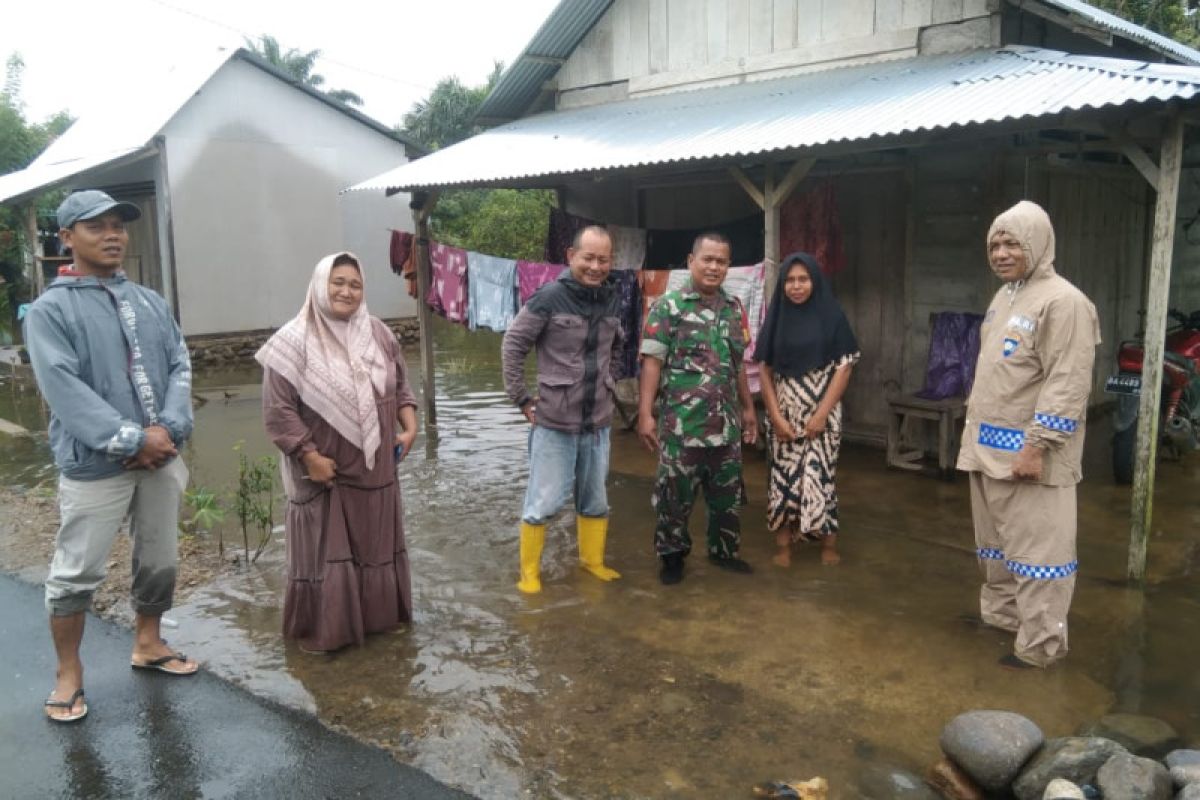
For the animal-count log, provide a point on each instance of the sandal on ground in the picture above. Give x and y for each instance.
(162, 664)
(67, 704)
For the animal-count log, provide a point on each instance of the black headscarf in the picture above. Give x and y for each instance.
(796, 339)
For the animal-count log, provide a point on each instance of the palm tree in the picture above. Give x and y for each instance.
(299, 65)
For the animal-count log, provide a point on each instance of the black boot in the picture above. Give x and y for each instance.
(732, 563)
(672, 569)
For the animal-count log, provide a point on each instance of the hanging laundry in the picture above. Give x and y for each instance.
(810, 222)
(491, 291)
(533, 275)
(448, 287)
(668, 249)
(561, 233)
(400, 251)
(630, 314)
(629, 247)
(653, 282)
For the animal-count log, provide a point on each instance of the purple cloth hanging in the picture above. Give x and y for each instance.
(953, 351)
(448, 289)
(533, 275)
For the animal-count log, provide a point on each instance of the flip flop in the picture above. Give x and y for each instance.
(67, 704)
(160, 664)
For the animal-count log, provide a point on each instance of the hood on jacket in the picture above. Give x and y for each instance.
(1029, 224)
(86, 281)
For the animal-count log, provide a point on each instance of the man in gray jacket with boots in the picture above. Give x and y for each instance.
(574, 325)
(114, 369)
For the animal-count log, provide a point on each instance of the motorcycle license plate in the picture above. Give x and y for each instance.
(1123, 384)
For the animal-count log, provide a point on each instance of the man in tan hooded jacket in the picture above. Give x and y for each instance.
(1023, 440)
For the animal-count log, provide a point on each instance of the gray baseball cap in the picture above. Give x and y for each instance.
(90, 204)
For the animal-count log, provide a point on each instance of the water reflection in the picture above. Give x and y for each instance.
(632, 690)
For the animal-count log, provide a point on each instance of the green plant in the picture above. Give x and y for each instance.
(254, 500)
(206, 514)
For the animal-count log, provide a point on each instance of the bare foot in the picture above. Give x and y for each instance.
(783, 558)
(830, 556)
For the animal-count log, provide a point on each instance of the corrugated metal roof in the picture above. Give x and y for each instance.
(128, 128)
(852, 104)
(566, 26)
(1123, 27)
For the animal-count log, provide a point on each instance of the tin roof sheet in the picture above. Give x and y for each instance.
(852, 104)
(1124, 28)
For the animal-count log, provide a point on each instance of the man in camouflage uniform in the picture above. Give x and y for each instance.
(693, 344)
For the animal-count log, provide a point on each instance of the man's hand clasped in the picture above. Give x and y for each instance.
(157, 449)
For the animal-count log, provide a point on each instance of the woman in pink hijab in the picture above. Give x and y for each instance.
(337, 404)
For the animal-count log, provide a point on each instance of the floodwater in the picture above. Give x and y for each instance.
(635, 690)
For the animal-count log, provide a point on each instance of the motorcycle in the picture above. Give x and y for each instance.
(1179, 426)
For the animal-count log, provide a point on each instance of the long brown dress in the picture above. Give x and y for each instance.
(347, 561)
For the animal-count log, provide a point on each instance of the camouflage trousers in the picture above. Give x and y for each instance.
(681, 472)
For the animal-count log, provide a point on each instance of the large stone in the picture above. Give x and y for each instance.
(1189, 792)
(1129, 777)
(952, 783)
(1184, 766)
(881, 782)
(1148, 737)
(991, 746)
(1063, 789)
(1076, 758)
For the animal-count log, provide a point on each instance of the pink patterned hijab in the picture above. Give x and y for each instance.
(335, 364)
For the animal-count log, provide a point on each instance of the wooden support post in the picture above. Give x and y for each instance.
(29, 252)
(770, 198)
(422, 208)
(1152, 359)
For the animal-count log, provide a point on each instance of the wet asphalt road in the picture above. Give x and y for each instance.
(152, 736)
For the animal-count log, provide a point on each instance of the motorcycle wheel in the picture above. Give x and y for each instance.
(1122, 454)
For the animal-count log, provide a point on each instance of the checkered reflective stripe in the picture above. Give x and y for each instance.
(1056, 423)
(1042, 571)
(991, 552)
(1001, 438)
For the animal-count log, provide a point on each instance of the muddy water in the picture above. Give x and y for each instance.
(633, 690)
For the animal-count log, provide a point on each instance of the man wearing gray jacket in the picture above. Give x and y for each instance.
(574, 325)
(114, 369)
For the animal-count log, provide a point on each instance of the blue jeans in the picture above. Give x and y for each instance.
(560, 462)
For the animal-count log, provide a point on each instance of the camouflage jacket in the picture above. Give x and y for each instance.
(701, 345)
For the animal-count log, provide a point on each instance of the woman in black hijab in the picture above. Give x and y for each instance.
(806, 350)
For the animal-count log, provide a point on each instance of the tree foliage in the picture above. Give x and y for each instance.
(509, 223)
(20, 143)
(1167, 17)
(300, 65)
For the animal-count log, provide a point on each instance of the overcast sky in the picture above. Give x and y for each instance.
(391, 52)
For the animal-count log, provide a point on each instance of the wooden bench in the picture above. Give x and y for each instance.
(946, 413)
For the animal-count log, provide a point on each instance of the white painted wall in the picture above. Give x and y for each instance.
(255, 168)
(648, 46)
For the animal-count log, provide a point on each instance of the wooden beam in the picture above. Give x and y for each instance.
(798, 172)
(29, 251)
(744, 181)
(421, 212)
(1162, 248)
(770, 227)
(1136, 155)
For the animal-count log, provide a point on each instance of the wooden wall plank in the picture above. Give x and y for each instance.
(784, 25)
(619, 14)
(687, 42)
(717, 30)
(658, 32)
(809, 25)
(847, 19)
(947, 10)
(916, 13)
(738, 30)
(889, 15)
(639, 37)
(762, 25)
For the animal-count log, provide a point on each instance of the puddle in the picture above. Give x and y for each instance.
(632, 689)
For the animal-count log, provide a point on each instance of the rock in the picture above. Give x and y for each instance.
(991, 746)
(1148, 737)
(1063, 789)
(1128, 777)
(1189, 792)
(952, 783)
(882, 782)
(1076, 758)
(1184, 766)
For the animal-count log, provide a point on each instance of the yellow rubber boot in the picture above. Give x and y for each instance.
(533, 539)
(592, 533)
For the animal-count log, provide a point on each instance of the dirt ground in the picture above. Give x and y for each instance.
(28, 523)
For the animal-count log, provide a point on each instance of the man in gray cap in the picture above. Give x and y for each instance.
(114, 369)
